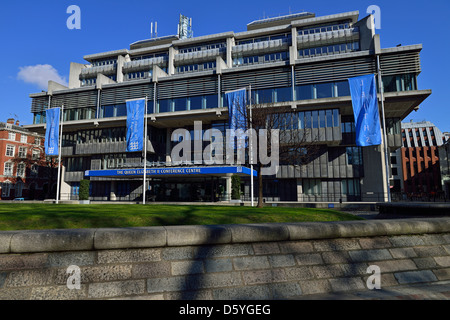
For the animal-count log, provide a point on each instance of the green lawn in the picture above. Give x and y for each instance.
(51, 216)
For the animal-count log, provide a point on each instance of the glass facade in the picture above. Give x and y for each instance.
(322, 90)
(330, 49)
(241, 60)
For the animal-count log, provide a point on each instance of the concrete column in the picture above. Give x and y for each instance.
(230, 44)
(293, 51)
(65, 187)
(168, 145)
(74, 75)
(228, 188)
(299, 190)
(120, 62)
(171, 65)
(373, 185)
(112, 195)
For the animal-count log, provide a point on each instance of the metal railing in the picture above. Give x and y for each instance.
(333, 198)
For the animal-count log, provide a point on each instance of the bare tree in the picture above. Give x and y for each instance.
(46, 169)
(296, 145)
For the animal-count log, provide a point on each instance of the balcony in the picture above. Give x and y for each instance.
(144, 65)
(327, 38)
(261, 47)
(91, 72)
(199, 56)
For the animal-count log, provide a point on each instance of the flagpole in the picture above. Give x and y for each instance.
(386, 155)
(61, 117)
(251, 146)
(145, 150)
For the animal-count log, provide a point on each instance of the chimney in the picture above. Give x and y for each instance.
(10, 120)
(17, 122)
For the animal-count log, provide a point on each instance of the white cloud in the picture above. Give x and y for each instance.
(40, 75)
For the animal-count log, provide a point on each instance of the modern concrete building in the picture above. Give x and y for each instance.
(298, 61)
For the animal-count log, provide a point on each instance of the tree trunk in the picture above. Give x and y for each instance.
(260, 188)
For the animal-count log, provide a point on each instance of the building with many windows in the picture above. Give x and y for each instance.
(23, 169)
(416, 166)
(444, 156)
(298, 61)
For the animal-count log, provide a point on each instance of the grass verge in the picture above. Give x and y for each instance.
(50, 216)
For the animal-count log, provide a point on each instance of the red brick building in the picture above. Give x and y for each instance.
(24, 170)
(420, 157)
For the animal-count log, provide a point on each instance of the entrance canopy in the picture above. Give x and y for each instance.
(173, 172)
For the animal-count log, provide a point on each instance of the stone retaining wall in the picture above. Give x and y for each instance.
(267, 261)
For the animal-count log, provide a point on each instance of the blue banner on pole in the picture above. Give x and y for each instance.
(365, 109)
(52, 132)
(135, 125)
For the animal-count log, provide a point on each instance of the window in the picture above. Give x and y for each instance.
(393, 160)
(394, 171)
(21, 170)
(324, 90)
(180, 104)
(305, 92)
(6, 189)
(37, 141)
(36, 155)
(165, 105)
(9, 167)
(11, 136)
(342, 88)
(354, 156)
(75, 189)
(23, 138)
(34, 170)
(351, 187)
(312, 186)
(22, 152)
(196, 102)
(10, 150)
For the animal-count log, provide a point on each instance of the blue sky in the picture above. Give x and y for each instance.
(37, 44)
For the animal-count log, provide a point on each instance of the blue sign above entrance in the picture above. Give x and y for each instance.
(171, 171)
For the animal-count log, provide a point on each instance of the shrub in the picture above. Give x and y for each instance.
(84, 189)
(236, 187)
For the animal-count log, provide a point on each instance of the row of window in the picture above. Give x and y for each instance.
(207, 46)
(197, 67)
(21, 170)
(104, 62)
(283, 94)
(333, 27)
(285, 37)
(327, 50)
(404, 82)
(349, 187)
(88, 82)
(11, 152)
(12, 137)
(273, 57)
(189, 103)
(149, 56)
(310, 119)
(139, 75)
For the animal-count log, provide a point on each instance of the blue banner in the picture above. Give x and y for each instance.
(365, 109)
(171, 171)
(52, 132)
(135, 125)
(237, 109)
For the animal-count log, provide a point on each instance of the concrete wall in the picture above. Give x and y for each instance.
(271, 261)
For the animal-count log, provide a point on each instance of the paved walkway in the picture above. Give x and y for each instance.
(435, 291)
